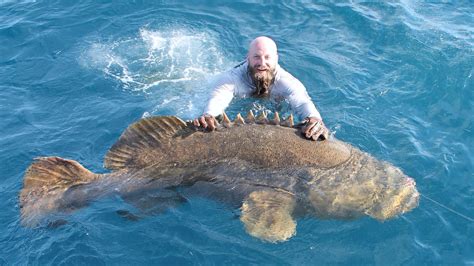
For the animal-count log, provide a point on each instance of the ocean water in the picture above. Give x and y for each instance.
(394, 79)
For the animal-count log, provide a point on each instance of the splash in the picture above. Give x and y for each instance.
(174, 67)
(157, 58)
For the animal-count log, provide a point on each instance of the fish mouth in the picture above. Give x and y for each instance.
(410, 182)
(413, 197)
(396, 200)
(413, 201)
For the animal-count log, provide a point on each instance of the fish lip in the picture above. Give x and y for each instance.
(415, 195)
(410, 182)
(414, 200)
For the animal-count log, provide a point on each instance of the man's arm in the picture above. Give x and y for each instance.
(220, 98)
(303, 106)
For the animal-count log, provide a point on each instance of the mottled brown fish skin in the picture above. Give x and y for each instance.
(264, 145)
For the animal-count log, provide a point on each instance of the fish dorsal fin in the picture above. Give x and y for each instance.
(141, 137)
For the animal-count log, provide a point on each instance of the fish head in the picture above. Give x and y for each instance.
(363, 186)
(394, 193)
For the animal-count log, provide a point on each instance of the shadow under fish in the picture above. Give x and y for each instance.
(262, 166)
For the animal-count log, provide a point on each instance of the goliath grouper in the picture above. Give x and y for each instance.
(266, 167)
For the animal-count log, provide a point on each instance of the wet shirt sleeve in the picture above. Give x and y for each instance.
(299, 99)
(221, 96)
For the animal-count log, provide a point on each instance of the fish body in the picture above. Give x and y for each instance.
(272, 173)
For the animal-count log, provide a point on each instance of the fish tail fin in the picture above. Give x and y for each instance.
(44, 184)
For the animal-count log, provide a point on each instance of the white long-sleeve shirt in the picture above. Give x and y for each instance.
(237, 82)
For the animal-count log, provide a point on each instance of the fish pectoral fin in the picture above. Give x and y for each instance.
(267, 215)
(156, 201)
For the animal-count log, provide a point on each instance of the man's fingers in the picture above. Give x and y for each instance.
(315, 128)
(205, 121)
(312, 129)
(308, 126)
(202, 119)
(318, 133)
(323, 132)
(211, 122)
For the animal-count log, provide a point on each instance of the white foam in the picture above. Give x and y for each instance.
(156, 57)
(174, 63)
(154, 39)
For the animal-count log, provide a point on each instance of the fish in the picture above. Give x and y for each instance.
(263, 167)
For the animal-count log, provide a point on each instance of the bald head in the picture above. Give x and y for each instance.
(263, 42)
(262, 54)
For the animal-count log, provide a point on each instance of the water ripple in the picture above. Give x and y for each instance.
(394, 79)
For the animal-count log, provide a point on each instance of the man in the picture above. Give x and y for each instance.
(261, 76)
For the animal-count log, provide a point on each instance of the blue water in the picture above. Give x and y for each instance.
(395, 79)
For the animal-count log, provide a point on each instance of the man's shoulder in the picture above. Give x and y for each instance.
(233, 74)
(240, 74)
(239, 65)
(240, 69)
(233, 78)
(286, 80)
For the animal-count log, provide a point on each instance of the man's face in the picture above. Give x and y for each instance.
(262, 60)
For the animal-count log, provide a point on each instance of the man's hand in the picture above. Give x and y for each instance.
(206, 121)
(314, 129)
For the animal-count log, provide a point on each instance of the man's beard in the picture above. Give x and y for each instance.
(262, 81)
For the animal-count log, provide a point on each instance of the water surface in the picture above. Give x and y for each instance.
(394, 79)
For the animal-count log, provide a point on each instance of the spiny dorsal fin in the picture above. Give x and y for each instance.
(226, 121)
(239, 120)
(262, 118)
(250, 117)
(139, 137)
(276, 119)
(288, 122)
